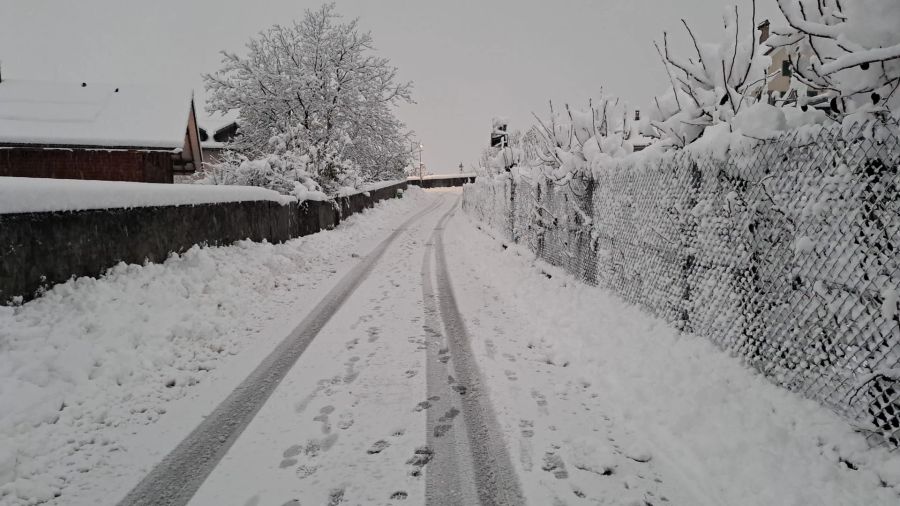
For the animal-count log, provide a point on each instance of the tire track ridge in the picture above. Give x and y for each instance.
(495, 479)
(176, 479)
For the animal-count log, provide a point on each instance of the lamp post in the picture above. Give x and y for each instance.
(421, 167)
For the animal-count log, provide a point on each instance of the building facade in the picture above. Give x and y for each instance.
(96, 131)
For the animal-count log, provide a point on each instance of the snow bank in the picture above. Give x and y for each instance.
(731, 437)
(31, 195)
(95, 360)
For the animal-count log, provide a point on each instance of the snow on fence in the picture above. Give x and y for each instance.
(786, 254)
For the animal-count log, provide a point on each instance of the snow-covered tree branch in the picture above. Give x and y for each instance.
(848, 49)
(713, 85)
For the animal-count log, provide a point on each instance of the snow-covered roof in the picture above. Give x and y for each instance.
(213, 122)
(94, 114)
(33, 195)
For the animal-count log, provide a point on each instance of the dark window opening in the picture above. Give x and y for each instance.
(786, 68)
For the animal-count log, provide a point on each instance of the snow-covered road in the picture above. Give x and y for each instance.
(427, 363)
(382, 407)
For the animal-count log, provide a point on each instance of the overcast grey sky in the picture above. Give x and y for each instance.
(470, 59)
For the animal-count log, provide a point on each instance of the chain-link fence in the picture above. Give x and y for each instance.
(786, 253)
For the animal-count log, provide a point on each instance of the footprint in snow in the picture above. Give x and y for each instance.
(378, 447)
(449, 415)
(527, 427)
(441, 430)
(345, 420)
(553, 463)
(419, 460)
(336, 497)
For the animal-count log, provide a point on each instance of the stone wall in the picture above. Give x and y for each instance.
(38, 250)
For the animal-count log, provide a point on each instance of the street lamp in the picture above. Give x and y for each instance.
(421, 172)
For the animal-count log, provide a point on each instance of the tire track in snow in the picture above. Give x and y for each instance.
(176, 479)
(470, 463)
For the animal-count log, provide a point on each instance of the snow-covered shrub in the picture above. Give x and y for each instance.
(710, 87)
(318, 86)
(848, 49)
(286, 170)
(577, 141)
(283, 174)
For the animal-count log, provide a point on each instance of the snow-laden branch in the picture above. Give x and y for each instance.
(850, 50)
(713, 85)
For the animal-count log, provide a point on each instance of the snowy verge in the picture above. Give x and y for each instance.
(32, 195)
(715, 432)
(89, 369)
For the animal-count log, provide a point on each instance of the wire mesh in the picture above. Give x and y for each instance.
(786, 253)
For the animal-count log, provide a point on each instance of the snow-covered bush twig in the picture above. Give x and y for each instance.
(847, 49)
(711, 87)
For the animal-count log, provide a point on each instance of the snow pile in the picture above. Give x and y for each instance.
(713, 429)
(31, 195)
(94, 360)
(757, 123)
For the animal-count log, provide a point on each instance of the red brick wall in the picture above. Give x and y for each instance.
(141, 166)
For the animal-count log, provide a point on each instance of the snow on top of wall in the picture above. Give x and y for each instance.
(42, 112)
(379, 185)
(31, 195)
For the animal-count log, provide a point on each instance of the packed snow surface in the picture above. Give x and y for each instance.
(99, 377)
(605, 403)
(32, 195)
(597, 402)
